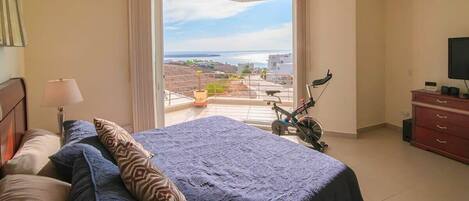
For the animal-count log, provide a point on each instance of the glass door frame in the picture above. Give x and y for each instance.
(299, 54)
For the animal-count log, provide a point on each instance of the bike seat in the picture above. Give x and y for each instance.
(272, 92)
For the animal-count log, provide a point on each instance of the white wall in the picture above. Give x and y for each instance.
(393, 45)
(331, 44)
(11, 63)
(399, 45)
(86, 40)
(370, 62)
(412, 35)
(417, 35)
(398, 69)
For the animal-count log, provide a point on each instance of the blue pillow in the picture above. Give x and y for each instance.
(97, 179)
(75, 130)
(66, 156)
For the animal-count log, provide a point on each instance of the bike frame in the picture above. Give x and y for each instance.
(304, 127)
(291, 119)
(303, 108)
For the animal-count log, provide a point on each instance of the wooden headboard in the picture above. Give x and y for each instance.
(13, 117)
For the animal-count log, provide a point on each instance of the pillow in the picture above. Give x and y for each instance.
(111, 134)
(76, 130)
(33, 155)
(78, 134)
(66, 156)
(21, 187)
(95, 178)
(144, 180)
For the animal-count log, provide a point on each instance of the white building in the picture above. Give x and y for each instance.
(280, 69)
(281, 63)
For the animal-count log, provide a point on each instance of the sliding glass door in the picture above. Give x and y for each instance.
(220, 58)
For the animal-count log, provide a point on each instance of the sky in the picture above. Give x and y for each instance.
(226, 25)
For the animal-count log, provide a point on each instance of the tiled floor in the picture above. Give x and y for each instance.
(390, 169)
(387, 168)
(245, 113)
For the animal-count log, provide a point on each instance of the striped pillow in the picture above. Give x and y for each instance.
(111, 134)
(144, 180)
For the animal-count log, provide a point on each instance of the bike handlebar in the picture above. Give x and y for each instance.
(324, 80)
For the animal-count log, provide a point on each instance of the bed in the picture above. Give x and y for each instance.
(216, 158)
(12, 117)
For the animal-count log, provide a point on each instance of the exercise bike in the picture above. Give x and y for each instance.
(303, 125)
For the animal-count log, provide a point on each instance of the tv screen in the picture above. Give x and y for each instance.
(458, 58)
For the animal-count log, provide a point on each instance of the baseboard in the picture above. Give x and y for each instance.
(378, 126)
(394, 127)
(370, 128)
(340, 134)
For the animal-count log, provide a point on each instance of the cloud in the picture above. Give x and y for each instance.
(177, 11)
(172, 28)
(275, 38)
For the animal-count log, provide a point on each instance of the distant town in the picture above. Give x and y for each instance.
(185, 73)
(276, 64)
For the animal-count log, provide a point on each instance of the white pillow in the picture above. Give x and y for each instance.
(21, 187)
(33, 155)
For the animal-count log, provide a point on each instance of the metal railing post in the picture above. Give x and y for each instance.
(169, 98)
(249, 86)
(182, 86)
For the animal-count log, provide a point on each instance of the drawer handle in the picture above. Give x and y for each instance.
(441, 101)
(441, 141)
(441, 127)
(441, 116)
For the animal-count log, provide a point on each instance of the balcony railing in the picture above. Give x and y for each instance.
(180, 88)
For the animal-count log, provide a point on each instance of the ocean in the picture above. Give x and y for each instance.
(258, 58)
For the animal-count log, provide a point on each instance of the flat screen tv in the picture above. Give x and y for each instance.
(458, 58)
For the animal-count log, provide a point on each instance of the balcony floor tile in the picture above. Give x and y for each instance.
(246, 113)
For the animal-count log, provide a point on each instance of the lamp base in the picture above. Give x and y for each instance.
(60, 121)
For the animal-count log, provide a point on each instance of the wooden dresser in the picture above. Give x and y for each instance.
(441, 124)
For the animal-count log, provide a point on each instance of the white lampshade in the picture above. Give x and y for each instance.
(61, 92)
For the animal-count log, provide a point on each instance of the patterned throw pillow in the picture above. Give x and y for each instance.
(111, 134)
(144, 180)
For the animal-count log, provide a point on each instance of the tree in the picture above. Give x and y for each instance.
(264, 73)
(189, 62)
(246, 70)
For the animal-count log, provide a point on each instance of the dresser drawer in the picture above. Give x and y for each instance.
(441, 124)
(458, 146)
(442, 121)
(431, 138)
(439, 100)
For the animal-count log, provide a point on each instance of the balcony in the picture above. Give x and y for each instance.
(235, 95)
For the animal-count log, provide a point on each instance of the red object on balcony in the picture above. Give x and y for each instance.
(200, 98)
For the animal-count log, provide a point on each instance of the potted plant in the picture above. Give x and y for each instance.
(200, 95)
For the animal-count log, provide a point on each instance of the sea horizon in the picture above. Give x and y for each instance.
(258, 57)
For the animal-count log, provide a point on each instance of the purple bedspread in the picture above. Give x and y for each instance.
(217, 158)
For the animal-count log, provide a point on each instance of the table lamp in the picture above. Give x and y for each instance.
(60, 93)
